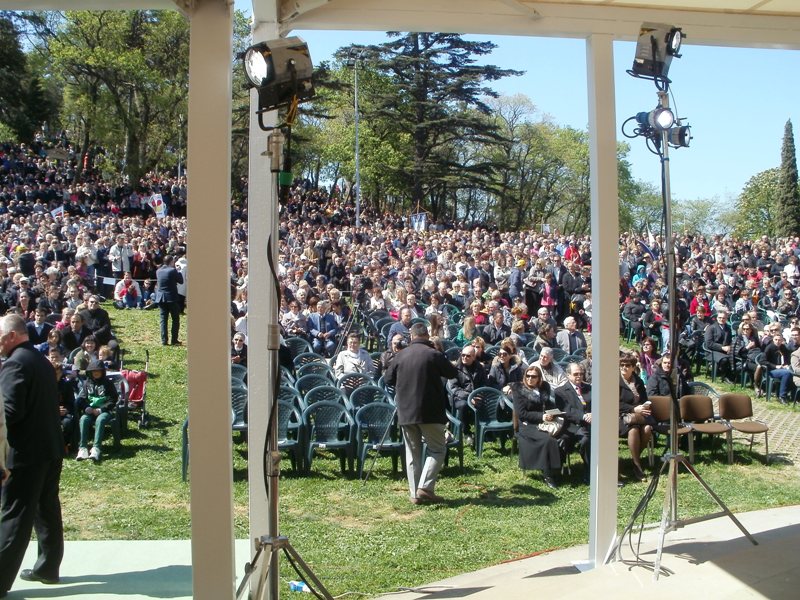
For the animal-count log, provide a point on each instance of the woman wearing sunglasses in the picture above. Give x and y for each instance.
(538, 449)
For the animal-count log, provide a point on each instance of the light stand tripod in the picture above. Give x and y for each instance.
(673, 459)
(269, 546)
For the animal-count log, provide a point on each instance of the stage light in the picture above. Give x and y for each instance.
(658, 118)
(281, 71)
(679, 137)
(655, 48)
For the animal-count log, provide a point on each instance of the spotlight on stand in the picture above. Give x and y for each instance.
(281, 71)
(659, 118)
(662, 129)
(652, 125)
(679, 137)
(657, 45)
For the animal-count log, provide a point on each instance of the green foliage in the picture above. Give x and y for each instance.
(125, 76)
(25, 104)
(789, 193)
(437, 101)
(756, 208)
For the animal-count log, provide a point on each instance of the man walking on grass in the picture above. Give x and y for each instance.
(417, 374)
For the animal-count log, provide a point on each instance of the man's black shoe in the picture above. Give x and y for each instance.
(29, 575)
(551, 483)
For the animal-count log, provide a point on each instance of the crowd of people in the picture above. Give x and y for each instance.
(71, 237)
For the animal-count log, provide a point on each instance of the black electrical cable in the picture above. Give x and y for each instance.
(300, 574)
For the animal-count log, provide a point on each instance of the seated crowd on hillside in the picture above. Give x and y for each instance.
(67, 243)
(512, 300)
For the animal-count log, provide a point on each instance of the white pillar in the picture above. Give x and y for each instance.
(262, 308)
(208, 165)
(605, 296)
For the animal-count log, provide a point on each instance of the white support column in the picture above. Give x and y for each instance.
(262, 306)
(208, 166)
(605, 292)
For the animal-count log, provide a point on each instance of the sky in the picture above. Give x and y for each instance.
(736, 100)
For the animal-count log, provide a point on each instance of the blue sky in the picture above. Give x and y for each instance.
(736, 100)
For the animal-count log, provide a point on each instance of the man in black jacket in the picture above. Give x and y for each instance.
(166, 296)
(36, 447)
(575, 399)
(417, 374)
(470, 375)
(718, 342)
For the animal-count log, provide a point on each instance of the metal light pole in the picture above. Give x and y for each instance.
(358, 163)
(354, 61)
(180, 143)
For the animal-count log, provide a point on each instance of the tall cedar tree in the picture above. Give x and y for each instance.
(789, 194)
(23, 104)
(437, 99)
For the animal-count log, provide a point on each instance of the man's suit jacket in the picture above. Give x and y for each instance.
(167, 280)
(717, 336)
(72, 340)
(573, 405)
(29, 388)
(38, 338)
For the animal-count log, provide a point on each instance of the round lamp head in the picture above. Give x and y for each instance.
(679, 137)
(674, 39)
(255, 66)
(659, 118)
(662, 118)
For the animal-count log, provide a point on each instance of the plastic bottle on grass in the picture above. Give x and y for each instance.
(299, 586)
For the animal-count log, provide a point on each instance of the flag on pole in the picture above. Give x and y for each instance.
(156, 202)
(419, 221)
(58, 212)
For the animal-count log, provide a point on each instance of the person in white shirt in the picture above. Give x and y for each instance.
(353, 359)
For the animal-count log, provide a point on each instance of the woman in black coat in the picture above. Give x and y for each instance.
(635, 422)
(537, 449)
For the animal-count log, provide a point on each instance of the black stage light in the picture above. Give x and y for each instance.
(656, 46)
(281, 71)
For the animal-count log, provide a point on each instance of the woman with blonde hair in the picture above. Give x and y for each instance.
(468, 332)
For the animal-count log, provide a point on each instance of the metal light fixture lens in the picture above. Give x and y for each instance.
(674, 40)
(662, 118)
(679, 137)
(255, 65)
(658, 118)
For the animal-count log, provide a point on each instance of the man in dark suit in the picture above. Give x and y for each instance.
(33, 469)
(417, 374)
(718, 342)
(575, 399)
(77, 332)
(166, 296)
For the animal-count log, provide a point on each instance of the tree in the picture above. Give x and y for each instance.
(125, 76)
(436, 100)
(24, 102)
(756, 208)
(788, 195)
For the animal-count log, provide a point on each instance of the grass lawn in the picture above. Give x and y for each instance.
(369, 538)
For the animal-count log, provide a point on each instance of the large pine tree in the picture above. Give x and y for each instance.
(437, 100)
(789, 194)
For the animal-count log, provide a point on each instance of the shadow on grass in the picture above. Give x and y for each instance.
(125, 452)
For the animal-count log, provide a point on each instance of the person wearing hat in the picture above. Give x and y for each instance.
(515, 279)
(97, 401)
